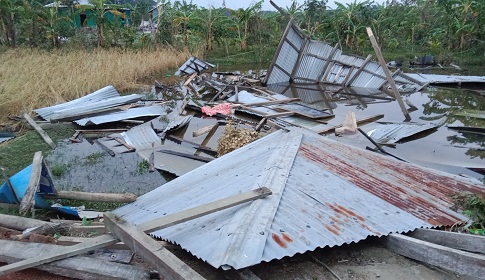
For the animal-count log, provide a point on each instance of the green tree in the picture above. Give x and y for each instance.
(243, 16)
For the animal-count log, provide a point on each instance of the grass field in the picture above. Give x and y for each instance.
(32, 79)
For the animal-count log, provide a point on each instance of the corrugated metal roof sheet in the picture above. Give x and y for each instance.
(193, 65)
(147, 142)
(324, 194)
(301, 60)
(392, 133)
(123, 115)
(445, 79)
(104, 98)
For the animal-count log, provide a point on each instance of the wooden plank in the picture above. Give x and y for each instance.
(72, 240)
(203, 130)
(460, 241)
(357, 73)
(167, 264)
(39, 130)
(28, 201)
(80, 267)
(198, 146)
(389, 78)
(126, 145)
(305, 111)
(186, 155)
(88, 196)
(261, 124)
(61, 253)
(203, 210)
(21, 223)
(359, 122)
(278, 115)
(271, 102)
(458, 261)
(105, 148)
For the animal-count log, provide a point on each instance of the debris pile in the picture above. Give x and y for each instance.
(256, 178)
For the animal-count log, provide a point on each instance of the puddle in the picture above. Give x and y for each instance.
(87, 167)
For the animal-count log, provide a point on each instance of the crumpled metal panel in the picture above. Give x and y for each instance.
(131, 113)
(99, 95)
(445, 79)
(392, 133)
(334, 194)
(302, 60)
(147, 142)
(193, 65)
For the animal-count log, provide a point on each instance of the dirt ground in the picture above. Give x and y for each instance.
(365, 260)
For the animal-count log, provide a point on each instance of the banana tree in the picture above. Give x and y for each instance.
(243, 16)
(10, 11)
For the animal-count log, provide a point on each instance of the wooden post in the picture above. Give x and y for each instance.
(460, 241)
(28, 201)
(447, 258)
(88, 196)
(389, 78)
(154, 225)
(39, 130)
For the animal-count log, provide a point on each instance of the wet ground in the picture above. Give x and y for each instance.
(87, 167)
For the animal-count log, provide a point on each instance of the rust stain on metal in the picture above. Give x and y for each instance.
(413, 189)
(279, 240)
(287, 238)
(332, 230)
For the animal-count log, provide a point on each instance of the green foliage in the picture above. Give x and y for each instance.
(473, 205)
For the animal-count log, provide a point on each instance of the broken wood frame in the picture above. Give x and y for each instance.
(139, 242)
(41, 132)
(388, 74)
(28, 200)
(456, 260)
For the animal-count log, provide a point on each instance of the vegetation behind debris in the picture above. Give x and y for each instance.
(31, 78)
(234, 138)
(473, 205)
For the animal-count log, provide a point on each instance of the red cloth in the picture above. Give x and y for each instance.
(224, 108)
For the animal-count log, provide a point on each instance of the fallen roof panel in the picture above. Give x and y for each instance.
(445, 79)
(299, 59)
(324, 194)
(101, 94)
(392, 133)
(123, 115)
(193, 65)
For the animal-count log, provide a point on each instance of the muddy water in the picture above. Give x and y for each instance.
(443, 148)
(87, 167)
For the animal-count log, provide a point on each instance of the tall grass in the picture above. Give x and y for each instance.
(31, 79)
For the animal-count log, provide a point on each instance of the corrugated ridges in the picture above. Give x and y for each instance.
(101, 94)
(123, 115)
(334, 194)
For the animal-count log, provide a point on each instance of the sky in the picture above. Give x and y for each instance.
(235, 4)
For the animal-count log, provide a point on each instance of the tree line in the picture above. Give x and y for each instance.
(438, 27)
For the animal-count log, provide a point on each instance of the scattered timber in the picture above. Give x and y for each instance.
(28, 201)
(147, 227)
(186, 155)
(88, 196)
(76, 267)
(388, 74)
(461, 241)
(39, 130)
(458, 261)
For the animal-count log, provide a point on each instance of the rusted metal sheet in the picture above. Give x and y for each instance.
(334, 194)
(302, 60)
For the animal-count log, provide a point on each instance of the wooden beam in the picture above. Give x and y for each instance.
(265, 103)
(167, 264)
(199, 211)
(39, 130)
(61, 253)
(329, 60)
(28, 201)
(288, 28)
(389, 78)
(357, 73)
(88, 196)
(154, 225)
(460, 241)
(460, 262)
(79, 267)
